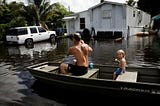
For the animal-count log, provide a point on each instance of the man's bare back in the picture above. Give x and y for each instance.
(80, 51)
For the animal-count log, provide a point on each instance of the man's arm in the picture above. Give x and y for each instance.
(70, 50)
(86, 48)
(90, 49)
(84, 44)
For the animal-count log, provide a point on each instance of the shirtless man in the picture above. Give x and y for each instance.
(80, 51)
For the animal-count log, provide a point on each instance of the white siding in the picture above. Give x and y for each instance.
(111, 17)
(136, 20)
(119, 21)
(106, 21)
(115, 22)
(70, 25)
(96, 18)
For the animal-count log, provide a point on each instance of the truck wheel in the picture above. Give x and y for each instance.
(52, 39)
(29, 43)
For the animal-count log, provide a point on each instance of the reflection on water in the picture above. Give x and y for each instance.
(152, 51)
(140, 51)
(39, 49)
(17, 83)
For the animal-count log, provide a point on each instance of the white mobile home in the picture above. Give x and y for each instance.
(109, 19)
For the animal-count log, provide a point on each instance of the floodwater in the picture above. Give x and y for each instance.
(19, 88)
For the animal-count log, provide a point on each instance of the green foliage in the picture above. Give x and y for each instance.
(5, 14)
(3, 28)
(149, 6)
(10, 16)
(57, 15)
(40, 11)
(131, 2)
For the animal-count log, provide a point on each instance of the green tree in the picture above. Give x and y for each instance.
(16, 10)
(2, 2)
(149, 6)
(41, 11)
(36, 12)
(58, 14)
(131, 2)
(102, 1)
(10, 15)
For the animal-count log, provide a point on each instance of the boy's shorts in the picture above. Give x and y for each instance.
(118, 71)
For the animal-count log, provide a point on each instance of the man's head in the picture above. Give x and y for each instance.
(77, 36)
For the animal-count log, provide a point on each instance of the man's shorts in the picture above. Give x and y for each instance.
(77, 70)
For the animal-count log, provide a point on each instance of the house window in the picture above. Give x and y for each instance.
(82, 23)
(139, 16)
(134, 14)
(106, 13)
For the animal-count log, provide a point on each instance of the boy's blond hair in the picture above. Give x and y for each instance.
(121, 51)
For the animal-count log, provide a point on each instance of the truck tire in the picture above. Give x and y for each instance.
(29, 43)
(52, 39)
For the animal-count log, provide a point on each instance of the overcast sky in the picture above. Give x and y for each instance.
(76, 5)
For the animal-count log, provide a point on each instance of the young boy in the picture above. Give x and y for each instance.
(121, 63)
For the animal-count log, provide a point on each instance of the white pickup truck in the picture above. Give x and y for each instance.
(28, 35)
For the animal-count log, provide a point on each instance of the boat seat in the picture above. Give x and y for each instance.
(128, 76)
(46, 68)
(92, 73)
